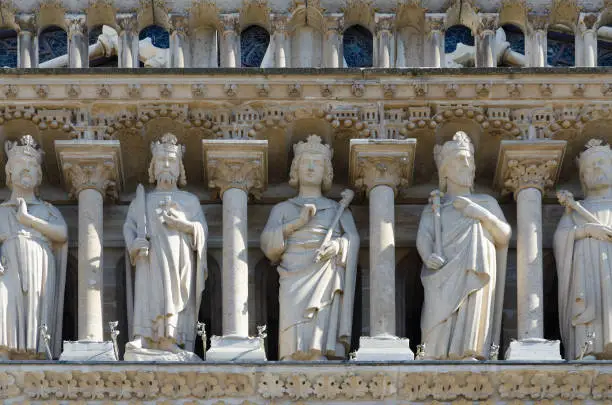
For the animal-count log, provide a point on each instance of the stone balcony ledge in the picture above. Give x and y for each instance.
(322, 382)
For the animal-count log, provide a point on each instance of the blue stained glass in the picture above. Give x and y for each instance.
(515, 37)
(159, 36)
(254, 43)
(455, 35)
(8, 48)
(94, 33)
(604, 52)
(560, 49)
(357, 45)
(52, 42)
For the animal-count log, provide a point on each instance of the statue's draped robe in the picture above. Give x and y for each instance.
(32, 286)
(585, 282)
(168, 284)
(458, 316)
(315, 305)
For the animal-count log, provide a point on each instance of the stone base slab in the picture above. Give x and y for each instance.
(389, 348)
(534, 349)
(230, 348)
(152, 355)
(84, 350)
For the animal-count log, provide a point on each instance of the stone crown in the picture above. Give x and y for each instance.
(312, 144)
(24, 146)
(592, 147)
(461, 141)
(167, 144)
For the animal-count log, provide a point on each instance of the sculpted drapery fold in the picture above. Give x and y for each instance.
(463, 241)
(33, 256)
(583, 248)
(316, 296)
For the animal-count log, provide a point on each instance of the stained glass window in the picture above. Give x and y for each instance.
(254, 43)
(604, 51)
(8, 48)
(159, 36)
(358, 47)
(516, 38)
(455, 35)
(560, 49)
(52, 42)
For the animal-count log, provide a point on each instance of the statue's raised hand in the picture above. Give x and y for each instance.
(308, 211)
(470, 209)
(23, 216)
(174, 221)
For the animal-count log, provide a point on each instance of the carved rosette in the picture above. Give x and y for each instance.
(529, 164)
(241, 164)
(90, 165)
(381, 162)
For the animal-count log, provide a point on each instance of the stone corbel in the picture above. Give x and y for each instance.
(236, 164)
(381, 162)
(90, 165)
(528, 164)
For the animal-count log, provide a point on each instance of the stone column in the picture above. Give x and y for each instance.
(26, 42)
(128, 41)
(179, 43)
(230, 42)
(436, 42)
(528, 169)
(539, 41)
(91, 171)
(589, 40)
(78, 44)
(282, 53)
(485, 42)
(235, 168)
(379, 168)
(384, 36)
(332, 45)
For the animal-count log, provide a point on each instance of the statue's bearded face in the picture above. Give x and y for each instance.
(25, 173)
(460, 168)
(311, 169)
(596, 171)
(167, 167)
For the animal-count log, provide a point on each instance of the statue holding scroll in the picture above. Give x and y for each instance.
(33, 253)
(463, 241)
(165, 235)
(583, 248)
(315, 243)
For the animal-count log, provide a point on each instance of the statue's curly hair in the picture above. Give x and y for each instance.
(328, 173)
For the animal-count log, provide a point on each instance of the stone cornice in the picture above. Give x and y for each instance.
(90, 165)
(381, 162)
(241, 164)
(529, 164)
(123, 383)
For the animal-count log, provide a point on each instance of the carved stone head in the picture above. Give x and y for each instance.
(167, 161)
(595, 165)
(455, 161)
(312, 164)
(23, 166)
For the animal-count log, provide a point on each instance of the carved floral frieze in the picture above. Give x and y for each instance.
(305, 384)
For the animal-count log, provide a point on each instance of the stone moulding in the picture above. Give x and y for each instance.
(422, 382)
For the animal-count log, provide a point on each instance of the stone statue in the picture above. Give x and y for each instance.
(165, 234)
(583, 248)
(463, 241)
(317, 274)
(33, 253)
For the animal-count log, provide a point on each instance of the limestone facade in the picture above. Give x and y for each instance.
(528, 123)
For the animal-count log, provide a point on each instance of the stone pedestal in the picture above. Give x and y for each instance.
(91, 172)
(235, 169)
(379, 168)
(88, 351)
(534, 349)
(528, 169)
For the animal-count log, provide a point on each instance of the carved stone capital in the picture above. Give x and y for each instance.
(488, 24)
(26, 22)
(77, 26)
(528, 164)
(385, 23)
(386, 162)
(435, 23)
(127, 23)
(180, 24)
(334, 24)
(90, 165)
(539, 22)
(279, 23)
(236, 164)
